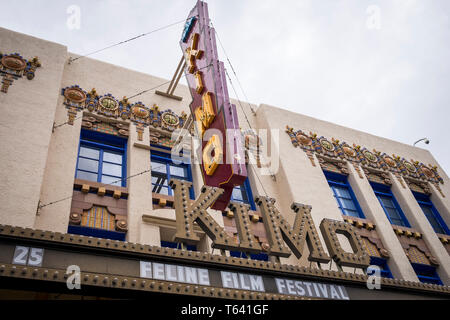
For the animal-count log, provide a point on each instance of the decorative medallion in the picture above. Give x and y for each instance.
(409, 166)
(170, 119)
(108, 103)
(14, 62)
(75, 94)
(370, 156)
(121, 225)
(140, 111)
(349, 151)
(13, 67)
(304, 139)
(427, 171)
(327, 145)
(390, 162)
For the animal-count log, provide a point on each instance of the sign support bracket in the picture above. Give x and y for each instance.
(174, 82)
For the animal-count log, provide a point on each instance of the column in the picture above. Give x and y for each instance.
(398, 261)
(139, 187)
(419, 221)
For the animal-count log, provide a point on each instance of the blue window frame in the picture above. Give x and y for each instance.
(343, 194)
(258, 256)
(102, 158)
(426, 273)
(431, 213)
(385, 272)
(177, 245)
(164, 169)
(390, 205)
(244, 194)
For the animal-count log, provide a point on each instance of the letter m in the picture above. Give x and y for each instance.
(304, 231)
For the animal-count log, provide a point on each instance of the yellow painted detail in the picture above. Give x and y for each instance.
(199, 80)
(210, 161)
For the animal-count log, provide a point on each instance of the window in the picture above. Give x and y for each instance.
(101, 158)
(164, 169)
(385, 272)
(390, 205)
(259, 256)
(344, 195)
(243, 193)
(177, 245)
(426, 273)
(431, 213)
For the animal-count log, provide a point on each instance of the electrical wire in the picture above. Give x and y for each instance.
(237, 96)
(128, 40)
(232, 69)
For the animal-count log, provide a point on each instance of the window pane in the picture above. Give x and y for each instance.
(86, 175)
(348, 204)
(159, 180)
(88, 164)
(112, 157)
(237, 194)
(115, 181)
(160, 189)
(342, 192)
(178, 171)
(112, 169)
(352, 213)
(387, 202)
(89, 152)
(159, 167)
(432, 219)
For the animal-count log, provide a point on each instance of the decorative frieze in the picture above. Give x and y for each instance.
(414, 246)
(113, 127)
(14, 66)
(366, 229)
(99, 206)
(374, 163)
(77, 99)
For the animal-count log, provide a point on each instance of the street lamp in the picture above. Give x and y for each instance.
(425, 140)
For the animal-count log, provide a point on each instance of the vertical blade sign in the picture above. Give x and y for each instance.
(223, 161)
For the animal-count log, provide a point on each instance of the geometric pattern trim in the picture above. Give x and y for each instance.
(98, 217)
(371, 248)
(357, 155)
(415, 255)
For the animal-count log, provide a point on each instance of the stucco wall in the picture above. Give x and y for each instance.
(28, 112)
(30, 149)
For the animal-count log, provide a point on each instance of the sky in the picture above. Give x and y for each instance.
(381, 67)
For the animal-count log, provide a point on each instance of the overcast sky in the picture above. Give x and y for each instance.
(381, 67)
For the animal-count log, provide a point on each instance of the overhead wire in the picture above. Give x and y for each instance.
(125, 41)
(239, 101)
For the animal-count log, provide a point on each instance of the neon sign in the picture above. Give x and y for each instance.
(222, 154)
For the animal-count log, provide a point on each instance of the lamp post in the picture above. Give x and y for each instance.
(425, 140)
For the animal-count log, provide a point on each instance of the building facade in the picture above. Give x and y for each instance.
(86, 182)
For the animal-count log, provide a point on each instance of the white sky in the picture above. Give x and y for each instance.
(325, 59)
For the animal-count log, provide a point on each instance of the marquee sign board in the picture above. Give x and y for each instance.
(222, 156)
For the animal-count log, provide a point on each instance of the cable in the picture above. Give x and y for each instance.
(128, 40)
(237, 96)
(62, 124)
(111, 183)
(232, 69)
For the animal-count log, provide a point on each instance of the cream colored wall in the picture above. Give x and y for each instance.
(28, 112)
(30, 107)
(307, 184)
